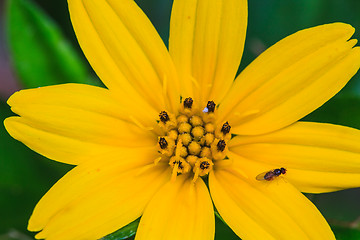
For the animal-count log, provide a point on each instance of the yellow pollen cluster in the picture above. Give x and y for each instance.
(191, 143)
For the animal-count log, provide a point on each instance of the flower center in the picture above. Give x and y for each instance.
(192, 143)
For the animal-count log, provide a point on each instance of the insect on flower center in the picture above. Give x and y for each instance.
(192, 143)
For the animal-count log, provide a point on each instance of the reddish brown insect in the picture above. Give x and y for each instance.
(270, 175)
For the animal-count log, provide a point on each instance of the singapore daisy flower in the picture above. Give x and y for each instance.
(174, 136)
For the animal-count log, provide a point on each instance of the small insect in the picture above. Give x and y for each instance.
(270, 175)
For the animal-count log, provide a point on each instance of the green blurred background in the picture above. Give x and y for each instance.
(36, 38)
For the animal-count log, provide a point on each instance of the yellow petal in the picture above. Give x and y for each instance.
(206, 42)
(125, 50)
(318, 157)
(180, 210)
(96, 199)
(95, 99)
(266, 210)
(67, 122)
(291, 79)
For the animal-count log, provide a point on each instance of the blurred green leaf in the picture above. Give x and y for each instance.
(343, 110)
(40, 53)
(343, 233)
(346, 213)
(270, 21)
(14, 235)
(125, 232)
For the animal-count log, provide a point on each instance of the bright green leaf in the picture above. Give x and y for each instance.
(40, 54)
(125, 232)
(343, 233)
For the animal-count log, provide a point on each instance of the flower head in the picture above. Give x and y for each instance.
(173, 132)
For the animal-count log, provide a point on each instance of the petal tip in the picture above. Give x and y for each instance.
(342, 25)
(12, 98)
(337, 29)
(34, 226)
(8, 124)
(40, 236)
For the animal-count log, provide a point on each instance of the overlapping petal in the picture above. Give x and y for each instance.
(125, 50)
(291, 79)
(319, 157)
(265, 210)
(206, 42)
(95, 199)
(73, 121)
(181, 210)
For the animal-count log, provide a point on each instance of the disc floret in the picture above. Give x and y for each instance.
(192, 143)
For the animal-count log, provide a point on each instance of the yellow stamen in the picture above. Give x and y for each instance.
(183, 151)
(178, 148)
(197, 132)
(196, 121)
(184, 128)
(182, 119)
(196, 175)
(219, 134)
(208, 117)
(218, 153)
(202, 167)
(191, 159)
(157, 160)
(205, 152)
(173, 134)
(186, 138)
(174, 172)
(209, 127)
(208, 139)
(169, 149)
(190, 142)
(194, 148)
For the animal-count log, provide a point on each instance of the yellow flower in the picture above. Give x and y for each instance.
(146, 145)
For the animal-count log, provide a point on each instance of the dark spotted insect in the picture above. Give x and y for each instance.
(271, 175)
